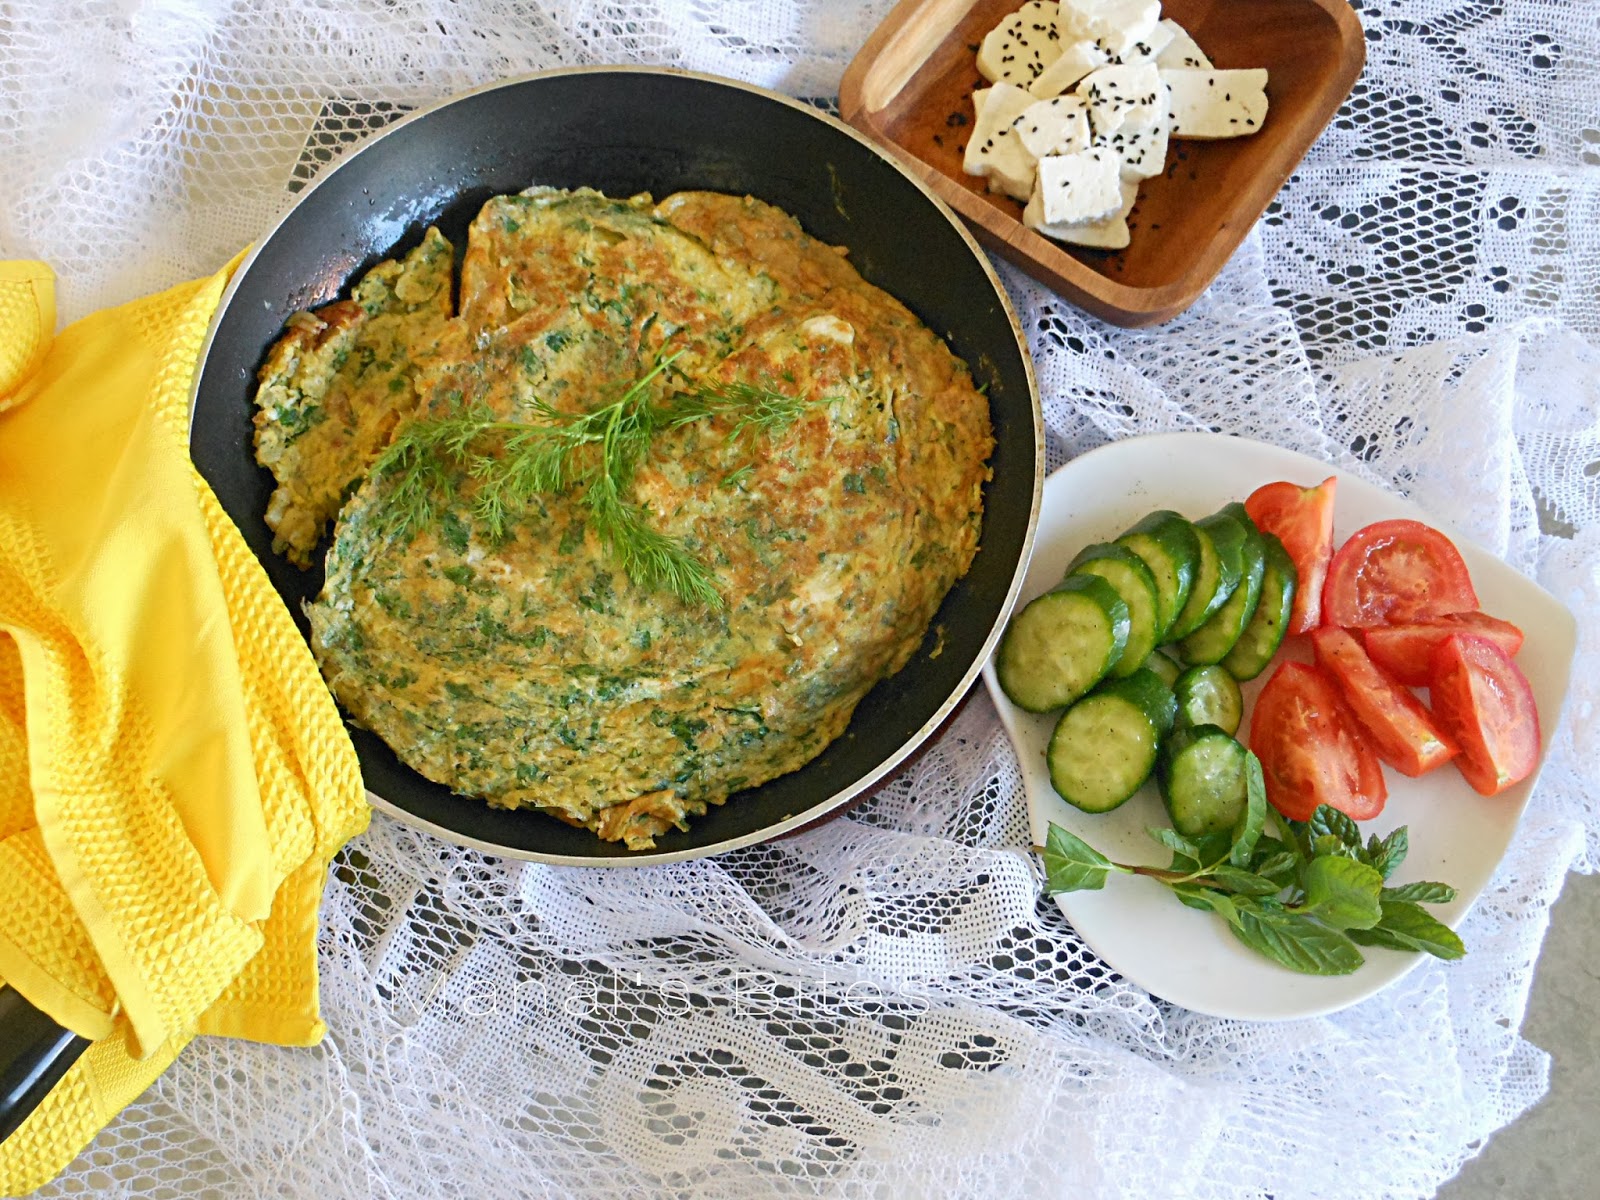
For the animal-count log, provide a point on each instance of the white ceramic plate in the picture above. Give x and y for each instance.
(1457, 837)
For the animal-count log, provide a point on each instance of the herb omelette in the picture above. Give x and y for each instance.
(799, 443)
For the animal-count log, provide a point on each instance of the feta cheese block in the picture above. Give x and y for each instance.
(1079, 187)
(1019, 49)
(1181, 50)
(995, 149)
(1123, 97)
(1075, 61)
(1108, 233)
(1116, 24)
(1148, 48)
(1142, 151)
(1215, 104)
(1056, 126)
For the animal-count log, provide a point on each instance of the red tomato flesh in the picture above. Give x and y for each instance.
(1395, 572)
(1311, 748)
(1303, 520)
(1402, 732)
(1483, 699)
(1406, 651)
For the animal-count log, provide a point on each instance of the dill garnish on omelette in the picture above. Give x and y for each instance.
(637, 525)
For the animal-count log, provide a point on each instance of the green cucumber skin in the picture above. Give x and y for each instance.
(1149, 692)
(1265, 632)
(1166, 542)
(1177, 793)
(1226, 537)
(1167, 669)
(1212, 641)
(1066, 681)
(1127, 572)
(1140, 706)
(1195, 691)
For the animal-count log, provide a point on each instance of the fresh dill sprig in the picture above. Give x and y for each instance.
(514, 461)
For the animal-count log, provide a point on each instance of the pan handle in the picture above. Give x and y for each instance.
(35, 1053)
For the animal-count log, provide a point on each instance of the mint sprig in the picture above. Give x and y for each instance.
(1307, 899)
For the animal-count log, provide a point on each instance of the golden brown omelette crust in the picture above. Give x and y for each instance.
(334, 387)
(534, 672)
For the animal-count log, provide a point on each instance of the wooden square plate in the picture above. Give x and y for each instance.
(910, 88)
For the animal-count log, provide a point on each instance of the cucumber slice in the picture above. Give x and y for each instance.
(1062, 644)
(1221, 567)
(1105, 746)
(1125, 571)
(1262, 637)
(1166, 670)
(1203, 781)
(1208, 696)
(1212, 641)
(1170, 549)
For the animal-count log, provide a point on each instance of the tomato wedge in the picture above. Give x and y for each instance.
(1303, 520)
(1406, 651)
(1483, 699)
(1311, 749)
(1402, 732)
(1395, 572)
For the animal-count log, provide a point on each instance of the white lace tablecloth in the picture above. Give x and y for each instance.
(886, 1006)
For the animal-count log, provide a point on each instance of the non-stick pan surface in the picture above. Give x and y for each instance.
(625, 131)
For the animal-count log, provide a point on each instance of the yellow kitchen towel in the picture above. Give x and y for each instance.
(174, 776)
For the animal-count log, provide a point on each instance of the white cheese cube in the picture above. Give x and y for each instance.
(1123, 97)
(995, 149)
(1216, 104)
(1108, 233)
(1143, 152)
(1019, 48)
(1116, 24)
(1079, 187)
(1147, 48)
(1181, 50)
(1076, 61)
(1056, 126)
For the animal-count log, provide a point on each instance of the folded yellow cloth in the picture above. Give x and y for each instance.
(174, 776)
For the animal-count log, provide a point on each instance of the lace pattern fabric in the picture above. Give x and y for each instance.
(886, 1005)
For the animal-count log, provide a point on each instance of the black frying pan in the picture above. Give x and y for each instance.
(624, 131)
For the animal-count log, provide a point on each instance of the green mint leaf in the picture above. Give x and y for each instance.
(1407, 926)
(1214, 848)
(1329, 820)
(1072, 865)
(1247, 830)
(1331, 845)
(1391, 852)
(1268, 846)
(1278, 867)
(1295, 940)
(1205, 899)
(1293, 834)
(1421, 893)
(1342, 892)
(1245, 883)
(1176, 842)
